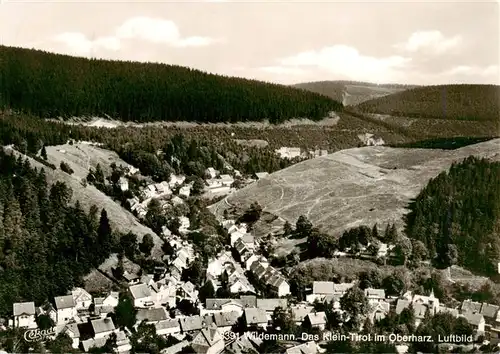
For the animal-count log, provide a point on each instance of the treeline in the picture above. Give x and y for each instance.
(457, 216)
(460, 102)
(46, 244)
(54, 85)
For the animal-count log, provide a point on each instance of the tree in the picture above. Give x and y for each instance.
(283, 320)
(395, 284)
(207, 291)
(370, 279)
(194, 273)
(66, 168)
(44, 322)
(198, 186)
(104, 237)
(403, 249)
(147, 244)
(419, 251)
(125, 312)
(303, 227)
(355, 305)
(128, 244)
(43, 153)
(287, 229)
(62, 344)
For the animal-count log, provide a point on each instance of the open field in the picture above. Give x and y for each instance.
(353, 187)
(120, 219)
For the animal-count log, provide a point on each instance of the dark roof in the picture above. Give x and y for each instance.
(488, 310)
(151, 315)
(103, 325)
(471, 306)
(191, 323)
(271, 304)
(248, 300)
(224, 319)
(64, 302)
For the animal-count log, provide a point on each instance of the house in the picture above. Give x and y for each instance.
(131, 278)
(141, 295)
(184, 224)
(48, 310)
(176, 180)
(100, 309)
(191, 323)
(226, 180)
(379, 311)
(71, 329)
(316, 320)
(223, 305)
(341, 289)
(151, 316)
(225, 320)
(299, 313)
(374, 295)
(65, 307)
(320, 289)
(111, 300)
(476, 320)
(93, 343)
(177, 200)
(102, 327)
(176, 348)
(419, 309)
(269, 305)
(277, 283)
(208, 341)
(211, 172)
(304, 348)
(489, 313)
(168, 327)
(188, 292)
(255, 317)
(185, 191)
(24, 314)
(470, 306)
(122, 342)
(123, 182)
(82, 298)
(164, 294)
(430, 301)
(261, 175)
(288, 152)
(238, 283)
(253, 258)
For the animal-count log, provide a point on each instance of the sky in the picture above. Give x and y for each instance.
(287, 42)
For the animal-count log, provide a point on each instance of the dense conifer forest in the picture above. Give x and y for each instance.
(457, 216)
(53, 85)
(460, 102)
(46, 244)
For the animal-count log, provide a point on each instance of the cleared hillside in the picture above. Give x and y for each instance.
(458, 102)
(53, 85)
(120, 219)
(353, 187)
(351, 92)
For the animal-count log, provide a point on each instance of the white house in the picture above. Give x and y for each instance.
(122, 342)
(185, 191)
(123, 184)
(24, 314)
(168, 327)
(111, 299)
(226, 180)
(184, 224)
(82, 298)
(102, 327)
(71, 329)
(211, 172)
(176, 180)
(288, 152)
(316, 320)
(65, 307)
(261, 175)
(141, 295)
(374, 295)
(476, 320)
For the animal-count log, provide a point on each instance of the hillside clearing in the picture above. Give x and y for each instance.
(120, 219)
(360, 186)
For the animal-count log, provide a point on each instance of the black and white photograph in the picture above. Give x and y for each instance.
(249, 177)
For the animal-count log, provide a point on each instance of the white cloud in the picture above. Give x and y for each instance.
(465, 70)
(140, 28)
(158, 31)
(345, 61)
(433, 42)
(282, 70)
(79, 44)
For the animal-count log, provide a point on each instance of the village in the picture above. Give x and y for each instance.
(256, 291)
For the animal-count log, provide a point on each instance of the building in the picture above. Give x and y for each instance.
(225, 320)
(151, 316)
(102, 327)
(123, 184)
(168, 327)
(24, 314)
(288, 152)
(82, 298)
(255, 317)
(226, 180)
(211, 172)
(65, 307)
(304, 348)
(71, 329)
(320, 290)
(476, 320)
(269, 305)
(141, 295)
(190, 324)
(316, 320)
(185, 191)
(374, 295)
(379, 311)
(208, 341)
(122, 342)
(299, 313)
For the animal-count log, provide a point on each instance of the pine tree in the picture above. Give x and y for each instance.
(104, 237)
(44, 153)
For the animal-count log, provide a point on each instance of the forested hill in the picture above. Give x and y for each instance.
(54, 85)
(457, 216)
(468, 102)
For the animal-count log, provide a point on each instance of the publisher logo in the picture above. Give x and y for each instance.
(35, 335)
